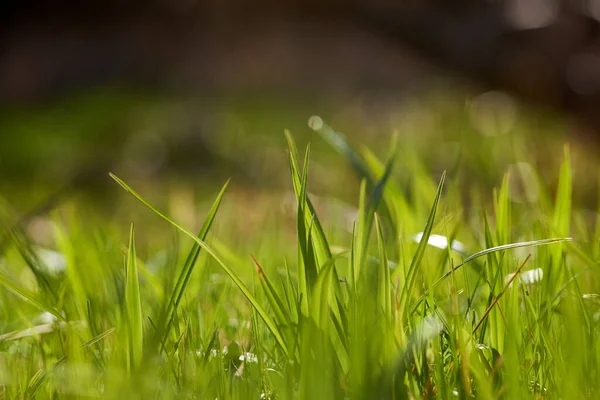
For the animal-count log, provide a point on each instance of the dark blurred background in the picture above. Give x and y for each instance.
(544, 50)
(205, 87)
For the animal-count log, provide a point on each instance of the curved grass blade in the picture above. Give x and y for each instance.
(238, 282)
(497, 298)
(361, 167)
(30, 298)
(481, 253)
(190, 262)
(341, 145)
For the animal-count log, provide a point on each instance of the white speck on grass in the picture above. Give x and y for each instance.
(590, 295)
(315, 122)
(54, 260)
(46, 318)
(249, 357)
(527, 277)
(441, 242)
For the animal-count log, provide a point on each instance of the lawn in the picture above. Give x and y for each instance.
(448, 276)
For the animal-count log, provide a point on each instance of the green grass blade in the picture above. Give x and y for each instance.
(384, 287)
(561, 221)
(366, 214)
(481, 253)
(562, 210)
(30, 298)
(133, 305)
(318, 245)
(502, 208)
(393, 197)
(99, 337)
(320, 304)
(238, 282)
(360, 236)
(339, 143)
(281, 313)
(418, 256)
(499, 296)
(190, 262)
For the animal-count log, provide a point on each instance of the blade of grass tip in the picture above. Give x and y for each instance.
(367, 212)
(360, 238)
(307, 215)
(33, 262)
(561, 222)
(99, 337)
(314, 251)
(393, 197)
(506, 286)
(341, 145)
(307, 269)
(320, 246)
(30, 298)
(281, 314)
(133, 305)
(384, 292)
(562, 210)
(533, 243)
(238, 282)
(40, 378)
(379, 189)
(320, 243)
(418, 256)
(190, 262)
(502, 208)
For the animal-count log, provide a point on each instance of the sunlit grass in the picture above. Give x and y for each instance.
(380, 307)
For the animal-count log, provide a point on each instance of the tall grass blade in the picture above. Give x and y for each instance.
(30, 298)
(418, 256)
(190, 262)
(133, 305)
(384, 287)
(238, 282)
(279, 309)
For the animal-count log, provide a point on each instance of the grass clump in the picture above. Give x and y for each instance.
(402, 310)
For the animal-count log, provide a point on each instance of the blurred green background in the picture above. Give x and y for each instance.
(192, 93)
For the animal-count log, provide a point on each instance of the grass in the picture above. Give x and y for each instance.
(385, 310)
